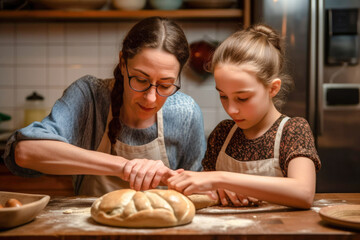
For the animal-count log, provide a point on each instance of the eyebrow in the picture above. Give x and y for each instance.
(147, 75)
(241, 91)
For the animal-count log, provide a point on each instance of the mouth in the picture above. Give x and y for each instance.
(146, 109)
(239, 120)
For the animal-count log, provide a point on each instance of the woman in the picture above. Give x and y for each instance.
(98, 126)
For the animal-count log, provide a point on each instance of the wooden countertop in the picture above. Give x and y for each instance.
(69, 218)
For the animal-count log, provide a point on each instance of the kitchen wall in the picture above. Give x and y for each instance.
(46, 57)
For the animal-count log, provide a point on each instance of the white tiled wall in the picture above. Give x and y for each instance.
(47, 57)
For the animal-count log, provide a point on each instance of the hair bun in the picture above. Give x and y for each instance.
(272, 36)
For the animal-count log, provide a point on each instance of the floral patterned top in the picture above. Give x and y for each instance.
(296, 141)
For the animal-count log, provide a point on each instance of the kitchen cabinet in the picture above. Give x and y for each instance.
(231, 14)
(50, 185)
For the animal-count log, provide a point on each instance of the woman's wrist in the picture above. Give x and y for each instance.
(120, 165)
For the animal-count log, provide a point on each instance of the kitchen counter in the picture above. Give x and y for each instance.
(69, 218)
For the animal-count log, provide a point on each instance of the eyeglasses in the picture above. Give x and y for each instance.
(140, 84)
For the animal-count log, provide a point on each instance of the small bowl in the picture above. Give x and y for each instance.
(129, 5)
(166, 4)
(32, 204)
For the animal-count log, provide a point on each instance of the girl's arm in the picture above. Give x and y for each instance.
(56, 157)
(296, 190)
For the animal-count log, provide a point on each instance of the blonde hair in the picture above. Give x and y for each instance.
(261, 47)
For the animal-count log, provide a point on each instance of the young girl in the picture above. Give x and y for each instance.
(260, 153)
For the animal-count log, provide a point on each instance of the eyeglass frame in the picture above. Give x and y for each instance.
(151, 85)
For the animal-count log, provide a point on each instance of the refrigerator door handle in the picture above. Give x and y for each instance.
(315, 105)
(315, 68)
(320, 68)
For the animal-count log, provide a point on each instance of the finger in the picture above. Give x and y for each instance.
(127, 169)
(171, 180)
(254, 201)
(151, 170)
(233, 198)
(188, 189)
(212, 194)
(180, 184)
(222, 197)
(243, 200)
(180, 170)
(164, 175)
(161, 175)
(148, 179)
(136, 175)
(174, 180)
(146, 174)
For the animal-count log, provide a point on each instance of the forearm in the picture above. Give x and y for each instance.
(284, 191)
(55, 157)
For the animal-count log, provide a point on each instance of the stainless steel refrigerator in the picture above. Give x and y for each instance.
(322, 50)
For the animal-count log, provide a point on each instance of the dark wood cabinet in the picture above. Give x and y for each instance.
(53, 185)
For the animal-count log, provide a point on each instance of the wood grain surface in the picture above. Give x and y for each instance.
(69, 218)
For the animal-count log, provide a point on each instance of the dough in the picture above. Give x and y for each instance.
(140, 209)
(203, 201)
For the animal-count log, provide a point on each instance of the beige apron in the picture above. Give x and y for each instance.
(264, 167)
(93, 185)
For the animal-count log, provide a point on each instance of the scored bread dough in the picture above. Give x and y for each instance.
(203, 201)
(143, 209)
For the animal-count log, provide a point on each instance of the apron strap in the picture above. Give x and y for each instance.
(278, 137)
(228, 138)
(160, 124)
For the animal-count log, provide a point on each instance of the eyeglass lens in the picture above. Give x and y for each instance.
(165, 89)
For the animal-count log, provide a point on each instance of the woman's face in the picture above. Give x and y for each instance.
(158, 66)
(244, 98)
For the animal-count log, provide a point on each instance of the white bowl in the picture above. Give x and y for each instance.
(166, 4)
(129, 4)
(32, 204)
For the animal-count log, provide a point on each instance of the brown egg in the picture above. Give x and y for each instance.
(1, 206)
(12, 202)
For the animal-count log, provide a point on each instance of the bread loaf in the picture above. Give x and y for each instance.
(143, 209)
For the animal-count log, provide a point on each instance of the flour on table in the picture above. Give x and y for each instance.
(325, 202)
(204, 222)
(316, 209)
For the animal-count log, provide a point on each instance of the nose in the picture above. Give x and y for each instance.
(232, 108)
(150, 95)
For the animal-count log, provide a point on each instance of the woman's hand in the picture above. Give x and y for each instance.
(236, 199)
(143, 174)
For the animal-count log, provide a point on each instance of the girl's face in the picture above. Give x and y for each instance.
(139, 108)
(244, 98)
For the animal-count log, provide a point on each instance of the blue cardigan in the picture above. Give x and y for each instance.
(79, 118)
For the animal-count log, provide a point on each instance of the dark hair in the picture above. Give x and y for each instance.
(262, 48)
(153, 32)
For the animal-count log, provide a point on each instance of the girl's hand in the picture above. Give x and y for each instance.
(189, 182)
(236, 199)
(143, 174)
(170, 174)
